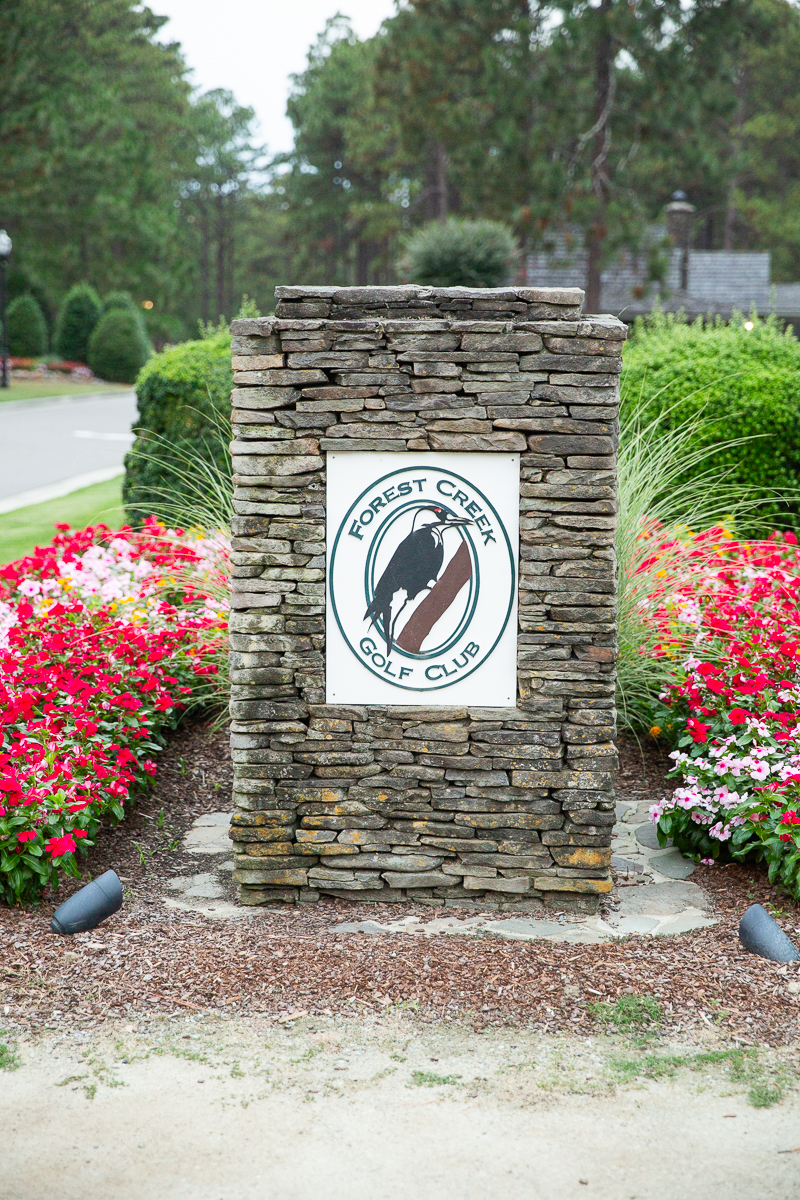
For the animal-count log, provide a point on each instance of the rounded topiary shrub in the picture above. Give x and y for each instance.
(183, 396)
(77, 318)
(459, 254)
(22, 283)
(118, 348)
(119, 300)
(744, 382)
(27, 328)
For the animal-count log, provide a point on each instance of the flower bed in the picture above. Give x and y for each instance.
(733, 712)
(104, 639)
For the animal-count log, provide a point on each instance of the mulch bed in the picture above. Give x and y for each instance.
(150, 959)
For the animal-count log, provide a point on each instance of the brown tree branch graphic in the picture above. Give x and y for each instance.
(437, 602)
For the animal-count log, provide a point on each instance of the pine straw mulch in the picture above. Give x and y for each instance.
(150, 959)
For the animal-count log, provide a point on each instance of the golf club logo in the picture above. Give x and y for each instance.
(421, 577)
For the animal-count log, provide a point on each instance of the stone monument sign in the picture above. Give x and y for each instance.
(422, 637)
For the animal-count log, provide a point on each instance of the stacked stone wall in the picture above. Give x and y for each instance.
(508, 807)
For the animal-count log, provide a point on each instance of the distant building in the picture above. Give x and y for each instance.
(668, 271)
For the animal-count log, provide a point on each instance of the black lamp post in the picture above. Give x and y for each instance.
(5, 251)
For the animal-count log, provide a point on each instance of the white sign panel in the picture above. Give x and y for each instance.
(422, 578)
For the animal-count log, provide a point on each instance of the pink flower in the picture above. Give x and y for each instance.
(27, 836)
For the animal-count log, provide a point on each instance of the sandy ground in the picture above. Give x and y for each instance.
(329, 1108)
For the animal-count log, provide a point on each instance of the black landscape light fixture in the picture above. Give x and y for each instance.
(5, 253)
(88, 907)
(761, 934)
(680, 217)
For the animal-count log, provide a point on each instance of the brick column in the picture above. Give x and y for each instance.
(427, 802)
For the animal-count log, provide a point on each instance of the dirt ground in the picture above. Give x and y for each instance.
(169, 1055)
(204, 1109)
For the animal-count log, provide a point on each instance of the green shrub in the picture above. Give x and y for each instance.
(27, 330)
(184, 397)
(22, 283)
(118, 348)
(745, 381)
(459, 254)
(77, 318)
(119, 300)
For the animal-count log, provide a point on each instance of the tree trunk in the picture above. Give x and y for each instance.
(729, 237)
(84, 254)
(205, 265)
(435, 182)
(363, 258)
(230, 247)
(604, 53)
(220, 254)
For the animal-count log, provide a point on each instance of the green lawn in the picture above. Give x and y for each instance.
(20, 531)
(37, 388)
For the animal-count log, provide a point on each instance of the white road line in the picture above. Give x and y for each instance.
(103, 437)
(54, 491)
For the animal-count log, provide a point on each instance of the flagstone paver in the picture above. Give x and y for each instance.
(654, 896)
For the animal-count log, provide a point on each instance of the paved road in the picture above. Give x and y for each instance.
(44, 442)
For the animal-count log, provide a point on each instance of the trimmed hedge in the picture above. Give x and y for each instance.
(183, 394)
(743, 381)
(22, 283)
(459, 254)
(77, 318)
(119, 300)
(27, 328)
(118, 348)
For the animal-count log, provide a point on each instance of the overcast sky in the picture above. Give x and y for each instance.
(252, 47)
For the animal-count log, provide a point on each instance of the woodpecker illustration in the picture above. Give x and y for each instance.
(414, 566)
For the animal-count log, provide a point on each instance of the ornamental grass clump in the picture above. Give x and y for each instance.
(670, 483)
(105, 639)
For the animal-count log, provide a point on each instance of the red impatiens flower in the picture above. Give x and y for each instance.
(56, 846)
(790, 818)
(786, 837)
(83, 688)
(737, 716)
(697, 729)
